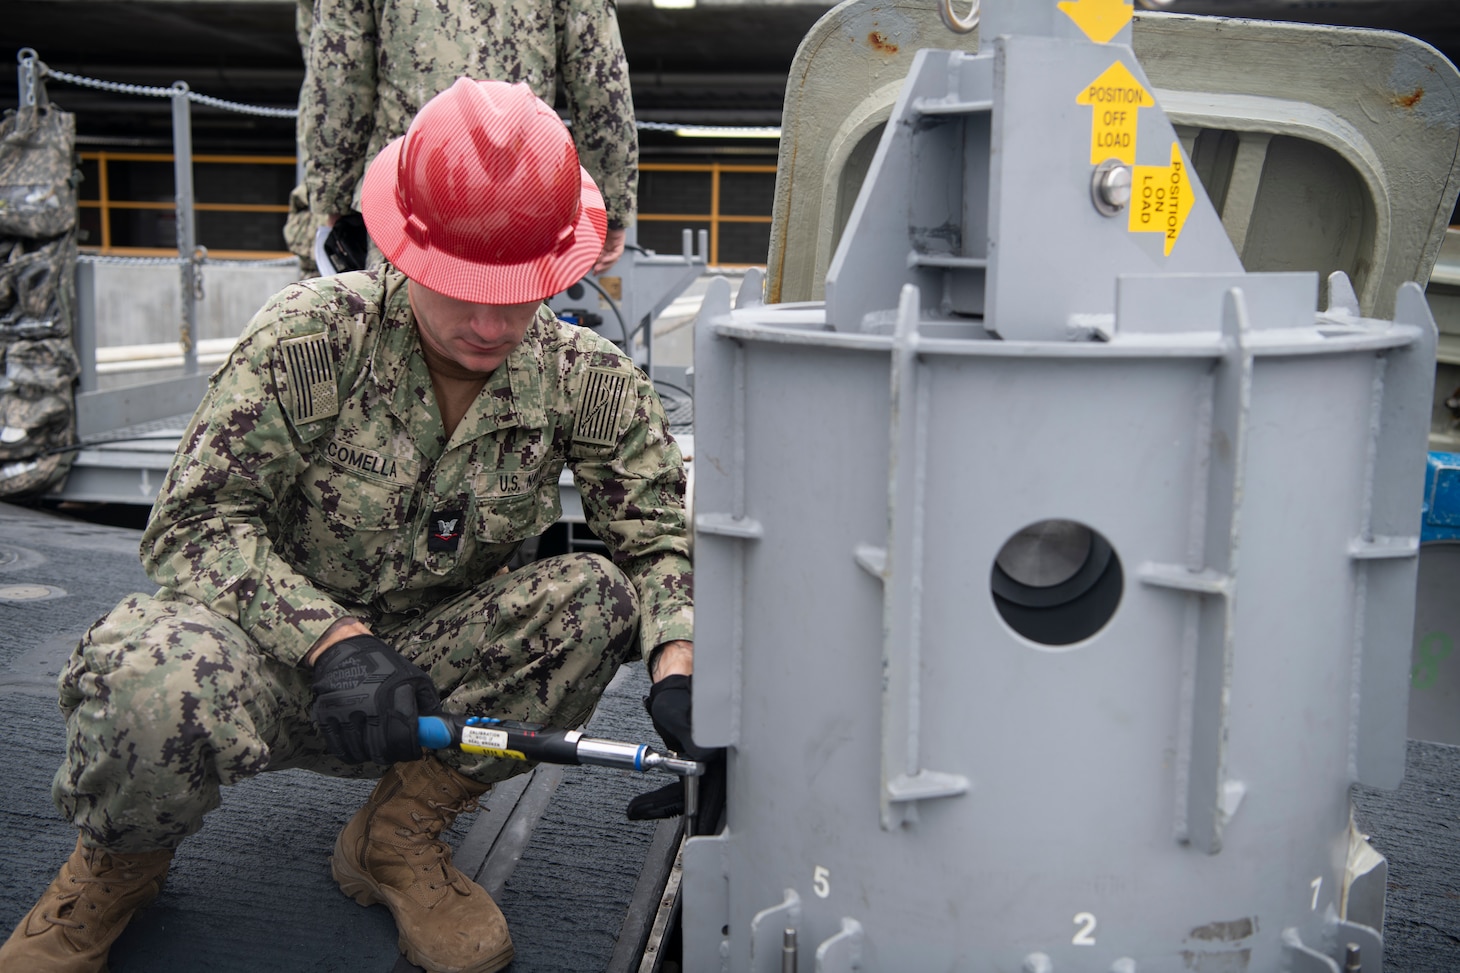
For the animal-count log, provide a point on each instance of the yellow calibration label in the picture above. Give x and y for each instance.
(1114, 99)
(1099, 19)
(1161, 198)
(481, 739)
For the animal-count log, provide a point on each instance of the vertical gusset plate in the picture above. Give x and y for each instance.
(910, 180)
(1386, 555)
(719, 503)
(1205, 753)
(1076, 91)
(904, 781)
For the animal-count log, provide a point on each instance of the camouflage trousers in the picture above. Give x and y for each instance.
(165, 700)
(299, 229)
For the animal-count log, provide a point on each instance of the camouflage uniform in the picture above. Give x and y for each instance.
(300, 225)
(373, 63)
(311, 486)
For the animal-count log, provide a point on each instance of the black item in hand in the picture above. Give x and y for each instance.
(348, 245)
(366, 700)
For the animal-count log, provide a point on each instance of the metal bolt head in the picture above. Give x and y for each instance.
(1110, 187)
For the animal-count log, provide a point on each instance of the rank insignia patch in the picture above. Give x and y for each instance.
(445, 530)
(603, 396)
(310, 366)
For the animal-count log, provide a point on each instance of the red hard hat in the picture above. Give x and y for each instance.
(483, 199)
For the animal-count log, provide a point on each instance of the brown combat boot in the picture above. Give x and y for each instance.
(391, 852)
(83, 911)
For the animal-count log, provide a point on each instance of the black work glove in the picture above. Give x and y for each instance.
(668, 704)
(366, 699)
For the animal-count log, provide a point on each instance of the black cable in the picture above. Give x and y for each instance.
(622, 327)
(678, 388)
(154, 438)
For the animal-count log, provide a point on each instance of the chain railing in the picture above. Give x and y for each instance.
(138, 261)
(150, 91)
(33, 73)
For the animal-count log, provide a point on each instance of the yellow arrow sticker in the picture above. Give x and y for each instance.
(1099, 19)
(1161, 198)
(1114, 96)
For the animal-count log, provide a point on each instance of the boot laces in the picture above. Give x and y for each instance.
(71, 901)
(65, 921)
(429, 827)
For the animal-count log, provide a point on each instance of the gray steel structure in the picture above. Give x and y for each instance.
(1091, 705)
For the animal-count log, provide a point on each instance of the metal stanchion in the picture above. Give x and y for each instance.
(187, 236)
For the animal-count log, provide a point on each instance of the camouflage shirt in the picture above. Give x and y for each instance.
(313, 480)
(373, 63)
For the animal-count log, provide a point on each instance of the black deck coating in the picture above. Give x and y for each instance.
(252, 891)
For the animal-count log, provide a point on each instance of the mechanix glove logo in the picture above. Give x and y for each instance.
(445, 531)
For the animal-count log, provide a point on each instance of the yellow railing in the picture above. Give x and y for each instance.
(107, 205)
(714, 217)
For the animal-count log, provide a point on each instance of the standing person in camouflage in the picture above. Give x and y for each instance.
(300, 225)
(373, 63)
(331, 538)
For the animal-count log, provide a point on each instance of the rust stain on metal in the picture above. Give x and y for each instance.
(1410, 100)
(1222, 952)
(773, 283)
(1225, 932)
(877, 42)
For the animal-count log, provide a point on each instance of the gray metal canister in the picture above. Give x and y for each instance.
(1054, 578)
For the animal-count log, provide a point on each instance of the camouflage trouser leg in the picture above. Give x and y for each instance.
(539, 644)
(165, 701)
(299, 229)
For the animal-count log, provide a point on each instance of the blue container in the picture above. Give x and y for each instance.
(1442, 498)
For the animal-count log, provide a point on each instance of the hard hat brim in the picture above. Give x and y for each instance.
(468, 280)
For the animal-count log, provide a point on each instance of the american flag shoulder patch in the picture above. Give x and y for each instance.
(309, 366)
(599, 405)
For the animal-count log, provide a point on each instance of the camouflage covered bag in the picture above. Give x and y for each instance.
(35, 396)
(36, 413)
(38, 174)
(23, 477)
(37, 288)
(38, 366)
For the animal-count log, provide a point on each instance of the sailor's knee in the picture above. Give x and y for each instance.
(602, 587)
(153, 670)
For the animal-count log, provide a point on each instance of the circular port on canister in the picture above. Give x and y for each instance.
(1056, 582)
